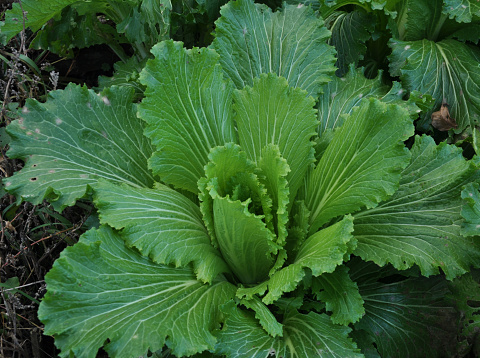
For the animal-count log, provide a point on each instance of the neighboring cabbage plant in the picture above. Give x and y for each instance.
(230, 207)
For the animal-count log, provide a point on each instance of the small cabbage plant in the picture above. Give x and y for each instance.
(252, 204)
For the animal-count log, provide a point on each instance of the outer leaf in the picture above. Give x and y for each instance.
(162, 224)
(409, 318)
(149, 22)
(326, 7)
(100, 290)
(419, 19)
(187, 107)
(362, 164)
(291, 43)
(462, 10)
(466, 297)
(321, 252)
(350, 31)
(447, 70)
(38, 12)
(271, 112)
(340, 294)
(471, 210)
(422, 222)
(304, 336)
(73, 31)
(73, 140)
(343, 94)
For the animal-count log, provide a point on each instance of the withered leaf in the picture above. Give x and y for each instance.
(442, 120)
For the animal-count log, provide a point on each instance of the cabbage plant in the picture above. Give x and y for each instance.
(251, 205)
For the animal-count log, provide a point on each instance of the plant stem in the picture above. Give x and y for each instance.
(440, 23)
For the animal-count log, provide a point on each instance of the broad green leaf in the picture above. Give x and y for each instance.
(271, 112)
(462, 10)
(187, 107)
(291, 43)
(37, 12)
(340, 294)
(422, 222)
(343, 94)
(419, 19)
(471, 210)
(265, 317)
(465, 295)
(245, 242)
(362, 164)
(366, 343)
(100, 290)
(211, 7)
(74, 139)
(162, 224)
(326, 249)
(304, 336)
(327, 7)
(350, 31)
(321, 253)
(447, 70)
(407, 318)
(149, 22)
(73, 31)
(467, 33)
(230, 173)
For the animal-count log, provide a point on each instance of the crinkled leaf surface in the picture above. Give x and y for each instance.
(188, 109)
(471, 210)
(99, 289)
(407, 318)
(422, 223)
(350, 31)
(291, 43)
(73, 140)
(230, 173)
(362, 164)
(162, 224)
(266, 318)
(271, 112)
(274, 170)
(149, 22)
(304, 336)
(462, 10)
(340, 294)
(322, 252)
(447, 70)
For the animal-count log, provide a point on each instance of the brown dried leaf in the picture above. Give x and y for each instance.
(442, 120)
